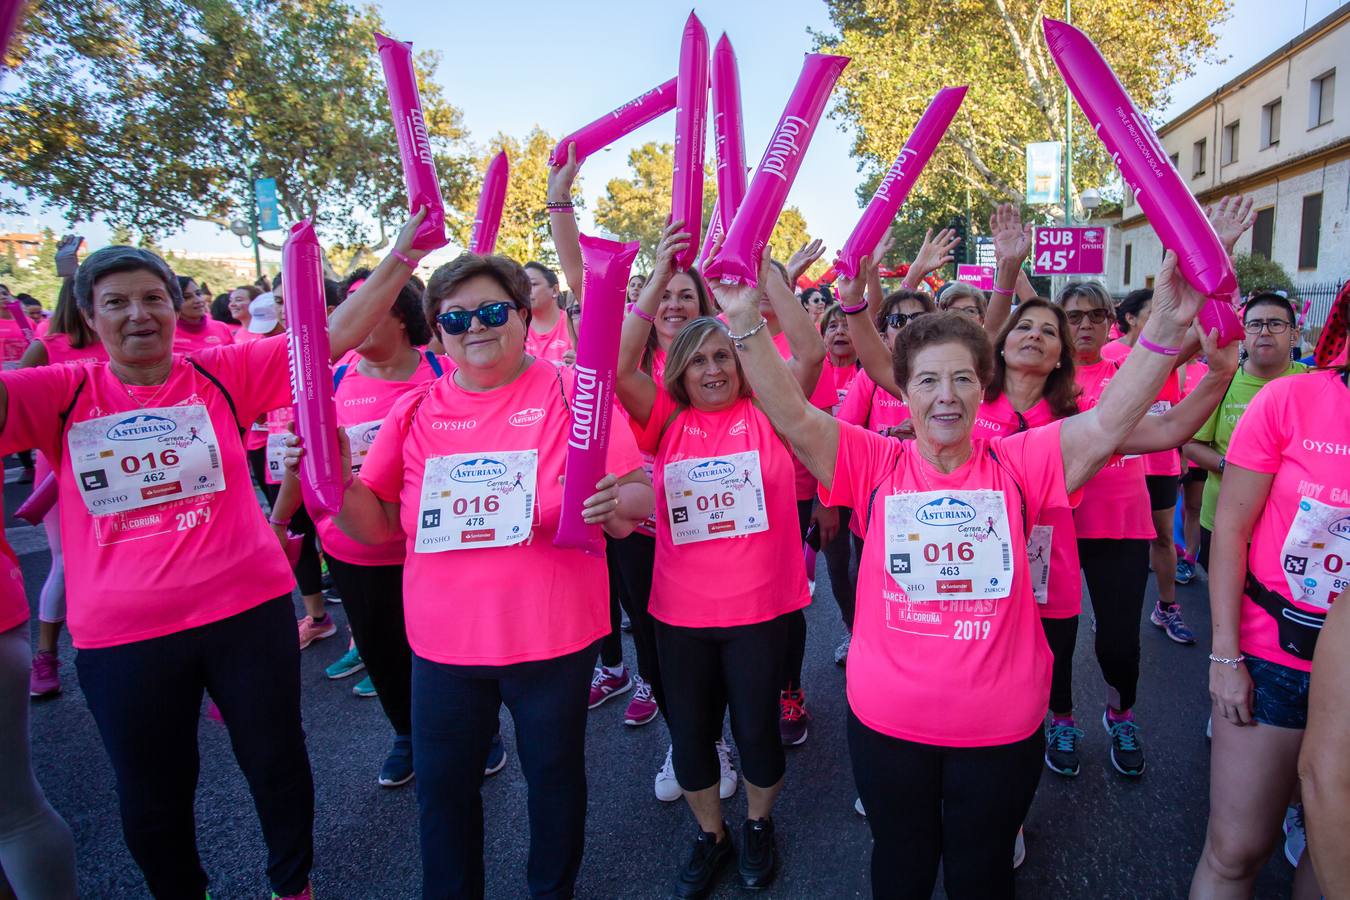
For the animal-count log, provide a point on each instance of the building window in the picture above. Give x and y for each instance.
(1322, 99)
(1263, 232)
(1129, 262)
(1176, 161)
(1311, 234)
(1229, 150)
(1270, 124)
(1198, 155)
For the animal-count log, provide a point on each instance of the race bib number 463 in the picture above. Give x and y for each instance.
(949, 545)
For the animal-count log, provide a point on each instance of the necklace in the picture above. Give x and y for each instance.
(152, 398)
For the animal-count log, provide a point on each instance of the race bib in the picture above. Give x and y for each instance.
(949, 545)
(1038, 560)
(715, 497)
(361, 437)
(476, 500)
(276, 455)
(148, 457)
(1315, 553)
(11, 351)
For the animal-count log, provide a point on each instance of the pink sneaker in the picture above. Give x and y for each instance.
(311, 631)
(604, 685)
(45, 680)
(642, 708)
(306, 894)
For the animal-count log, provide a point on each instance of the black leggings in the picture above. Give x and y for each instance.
(961, 806)
(1061, 635)
(373, 599)
(839, 562)
(794, 651)
(611, 645)
(635, 556)
(708, 669)
(308, 570)
(146, 698)
(1117, 577)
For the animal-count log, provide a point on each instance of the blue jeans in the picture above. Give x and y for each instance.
(454, 716)
(1279, 695)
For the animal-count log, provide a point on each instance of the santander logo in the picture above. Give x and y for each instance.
(528, 416)
(783, 148)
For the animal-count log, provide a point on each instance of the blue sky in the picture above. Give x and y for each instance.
(512, 64)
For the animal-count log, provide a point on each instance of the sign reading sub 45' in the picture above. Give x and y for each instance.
(1068, 251)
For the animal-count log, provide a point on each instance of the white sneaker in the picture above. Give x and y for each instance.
(1295, 835)
(668, 788)
(726, 788)
(858, 808)
(1019, 850)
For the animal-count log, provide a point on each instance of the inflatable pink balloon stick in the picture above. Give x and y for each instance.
(40, 502)
(613, 125)
(321, 475)
(10, 13)
(748, 233)
(728, 131)
(414, 144)
(15, 309)
(605, 286)
(899, 179)
(710, 237)
(691, 136)
(483, 239)
(1162, 195)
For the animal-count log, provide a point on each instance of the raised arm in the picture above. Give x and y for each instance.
(1179, 424)
(813, 434)
(934, 253)
(808, 349)
(1012, 243)
(1088, 439)
(801, 260)
(862, 330)
(635, 388)
(563, 223)
(358, 315)
(1231, 218)
(876, 294)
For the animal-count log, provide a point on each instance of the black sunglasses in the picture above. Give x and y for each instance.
(899, 320)
(492, 315)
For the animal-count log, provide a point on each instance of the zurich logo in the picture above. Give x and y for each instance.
(138, 428)
(945, 511)
(478, 470)
(1341, 528)
(712, 470)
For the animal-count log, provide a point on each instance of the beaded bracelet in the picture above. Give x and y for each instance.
(740, 339)
(1232, 662)
(559, 208)
(1156, 348)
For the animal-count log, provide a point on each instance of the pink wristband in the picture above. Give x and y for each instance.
(403, 258)
(637, 311)
(999, 290)
(853, 310)
(1165, 351)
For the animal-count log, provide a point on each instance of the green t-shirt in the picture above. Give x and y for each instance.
(1218, 429)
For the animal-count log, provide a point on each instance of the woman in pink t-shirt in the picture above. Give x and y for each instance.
(157, 514)
(839, 372)
(468, 470)
(1281, 541)
(949, 671)
(549, 337)
(196, 329)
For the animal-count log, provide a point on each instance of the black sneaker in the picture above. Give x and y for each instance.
(1061, 748)
(1127, 753)
(759, 858)
(706, 860)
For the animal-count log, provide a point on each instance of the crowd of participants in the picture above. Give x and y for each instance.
(963, 462)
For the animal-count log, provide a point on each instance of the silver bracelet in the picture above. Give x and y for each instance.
(1227, 661)
(740, 339)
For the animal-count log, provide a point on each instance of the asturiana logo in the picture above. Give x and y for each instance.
(528, 416)
(140, 427)
(475, 470)
(945, 511)
(1341, 528)
(712, 470)
(783, 148)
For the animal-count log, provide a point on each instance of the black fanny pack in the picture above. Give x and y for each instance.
(1298, 629)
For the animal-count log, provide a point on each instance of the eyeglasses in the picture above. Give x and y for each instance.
(972, 311)
(492, 315)
(1274, 326)
(899, 320)
(574, 312)
(1095, 316)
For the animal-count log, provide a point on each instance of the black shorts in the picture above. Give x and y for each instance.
(1194, 475)
(1162, 491)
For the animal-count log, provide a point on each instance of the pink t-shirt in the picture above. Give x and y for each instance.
(767, 578)
(821, 397)
(13, 601)
(1163, 462)
(873, 408)
(41, 328)
(549, 346)
(953, 673)
(365, 401)
(59, 351)
(1297, 429)
(1115, 501)
(209, 333)
(1063, 590)
(12, 344)
(165, 568)
(493, 606)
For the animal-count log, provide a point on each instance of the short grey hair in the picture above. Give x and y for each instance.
(1094, 292)
(115, 259)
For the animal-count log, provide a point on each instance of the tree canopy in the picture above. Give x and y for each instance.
(524, 233)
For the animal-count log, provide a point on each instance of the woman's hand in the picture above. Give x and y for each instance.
(1230, 690)
(1012, 239)
(803, 259)
(561, 177)
(404, 242)
(281, 532)
(936, 252)
(903, 432)
(295, 451)
(1174, 300)
(739, 303)
(826, 520)
(603, 505)
(1231, 218)
(1222, 361)
(849, 291)
(674, 241)
(883, 247)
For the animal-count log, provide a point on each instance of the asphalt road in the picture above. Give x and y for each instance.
(1099, 835)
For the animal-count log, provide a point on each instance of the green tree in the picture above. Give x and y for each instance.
(636, 208)
(156, 112)
(524, 233)
(1256, 273)
(904, 51)
(790, 235)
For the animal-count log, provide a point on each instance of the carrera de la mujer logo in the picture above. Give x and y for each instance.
(712, 470)
(945, 511)
(139, 428)
(474, 470)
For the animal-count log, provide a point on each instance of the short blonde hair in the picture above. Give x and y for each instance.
(682, 351)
